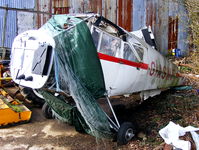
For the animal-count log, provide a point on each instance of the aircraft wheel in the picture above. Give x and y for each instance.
(125, 133)
(47, 111)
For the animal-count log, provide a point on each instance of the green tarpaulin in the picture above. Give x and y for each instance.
(77, 70)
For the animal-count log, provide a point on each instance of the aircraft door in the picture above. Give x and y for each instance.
(127, 72)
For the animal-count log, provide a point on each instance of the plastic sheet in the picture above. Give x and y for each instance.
(195, 137)
(172, 132)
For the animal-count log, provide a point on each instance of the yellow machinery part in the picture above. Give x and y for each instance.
(6, 78)
(8, 115)
(11, 111)
(2, 92)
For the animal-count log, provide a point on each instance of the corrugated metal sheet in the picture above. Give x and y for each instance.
(76, 6)
(25, 21)
(139, 14)
(96, 6)
(110, 10)
(151, 14)
(172, 32)
(2, 12)
(11, 27)
(43, 6)
(183, 30)
(60, 7)
(173, 26)
(162, 15)
(165, 19)
(28, 4)
(11, 24)
(125, 14)
(161, 26)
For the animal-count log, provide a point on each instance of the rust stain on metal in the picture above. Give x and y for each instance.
(61, 10)
(172, 32)
(61, 6)
(112, 8)
(43, 6)
(105, 9)
(147, 12)
(96, 6)
(91, 6)
(38, 15)
(50, 11)
(151, 10)
(125, 14)
(154, 18)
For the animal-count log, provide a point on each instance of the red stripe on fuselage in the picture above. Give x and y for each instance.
(123, 61)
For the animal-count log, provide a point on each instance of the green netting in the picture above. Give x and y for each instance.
(66, 112)
(78, 69)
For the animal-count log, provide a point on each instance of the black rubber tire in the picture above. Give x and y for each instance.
(125, 133)
(30, 95)
(47, 111)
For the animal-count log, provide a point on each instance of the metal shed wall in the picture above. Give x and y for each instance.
(166, 17)
(183, 28)
(43, 6)
(16, 21)
(11, 27)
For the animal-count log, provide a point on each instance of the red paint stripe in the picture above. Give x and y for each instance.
(123, 61)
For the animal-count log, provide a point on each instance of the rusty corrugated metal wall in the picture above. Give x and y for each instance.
(115, 10)
(60, 7)
(166, 17)
(51, 7)
(14, 18)
(125, 14)
(43, 6)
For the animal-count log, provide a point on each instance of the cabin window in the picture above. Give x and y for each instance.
(110, 45)
(128, 53)
(139, 49)
(96, 35)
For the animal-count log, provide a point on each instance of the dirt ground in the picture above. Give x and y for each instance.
(152, 115)
(44, 134)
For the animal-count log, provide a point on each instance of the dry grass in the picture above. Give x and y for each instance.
(190, 64)
(193, 14)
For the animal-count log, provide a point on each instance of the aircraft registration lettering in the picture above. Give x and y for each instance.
(161, 72)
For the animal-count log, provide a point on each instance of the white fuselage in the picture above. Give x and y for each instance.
(155, 73)
(128, 66)
(145, 70)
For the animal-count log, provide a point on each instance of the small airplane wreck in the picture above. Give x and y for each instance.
(74, 61)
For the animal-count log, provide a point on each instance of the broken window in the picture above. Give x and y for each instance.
(128, 53)
(139, 49)
(96, 35)
(110, 45)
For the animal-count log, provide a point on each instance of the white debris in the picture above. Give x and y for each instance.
(150, 93)
(195, 137)
(172, 132)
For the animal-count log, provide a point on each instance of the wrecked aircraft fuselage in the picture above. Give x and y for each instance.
(91, 58)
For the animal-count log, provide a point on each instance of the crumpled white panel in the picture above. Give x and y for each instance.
(150, 93)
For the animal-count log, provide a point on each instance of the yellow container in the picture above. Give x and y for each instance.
(8, 115)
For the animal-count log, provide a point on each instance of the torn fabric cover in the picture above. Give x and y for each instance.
(78, 69)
